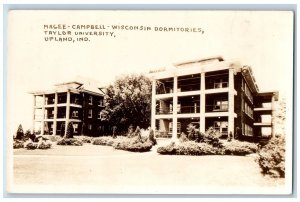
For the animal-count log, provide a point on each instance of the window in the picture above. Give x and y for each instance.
(220, 83)
(75, 114)
(90, 126)
(75, 126)
(100, 102)
(248, 93)
(221, 126)
(76, 100)
(178, 127)
(91, 100)
(248, 110)
(221, 105)
(248, 130)
(90, 115)
(99, 115)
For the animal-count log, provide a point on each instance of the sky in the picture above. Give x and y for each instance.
(263, 40)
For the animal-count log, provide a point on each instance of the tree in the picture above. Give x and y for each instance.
(20, 133)
(279, 117)
(70, 131)
(128, 101)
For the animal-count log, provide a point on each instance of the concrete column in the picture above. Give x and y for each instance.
(202, 103)
(67, 111)
(33, 114)
(175, 102)
(153, 105)
(55, 114)
(231, 102)
(43, 115)
(272, 116)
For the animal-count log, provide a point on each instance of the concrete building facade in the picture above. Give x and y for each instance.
(75, 102)
(207, 93)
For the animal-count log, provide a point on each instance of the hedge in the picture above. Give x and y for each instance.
(271, 157)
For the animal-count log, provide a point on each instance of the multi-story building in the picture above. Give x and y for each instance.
(75, 102)
(210, 93)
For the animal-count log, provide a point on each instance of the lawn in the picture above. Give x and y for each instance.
(102, 169)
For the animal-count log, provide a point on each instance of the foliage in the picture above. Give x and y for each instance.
(114, 135)
(212, 137)
(31, 145)
(130, 131)
(168, 149)
(107, 141)
(151, 137)
(44, 145)
(133, 144)
(18, 144)
(272, 157)
(20, 133)
(189, 148)
(128, 101)
(70, 141)
(70, 131)
(84, 139)
(183, 137)
(239, 148)
(53, 138)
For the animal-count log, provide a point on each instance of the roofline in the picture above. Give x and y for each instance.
(220, 58)
(64, 90)
(70, 82)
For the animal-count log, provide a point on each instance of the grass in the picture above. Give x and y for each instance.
(101, 169)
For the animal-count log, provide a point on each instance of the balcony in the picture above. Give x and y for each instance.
(189, 110)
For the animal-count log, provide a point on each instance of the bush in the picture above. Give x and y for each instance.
(84, 139)
(183, 137)
(69, 141)
(53, 138)
(188, 148)
(31, 145)
(70, 131)
(151, 137)
(107, 141)
(271, 157)
(18, 144)
(169, 149)
(20, 133)
(44, 145)
(133, 145)
(235, 147)
(212, 137)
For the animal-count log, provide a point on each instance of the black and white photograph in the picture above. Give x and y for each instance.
(149, 102)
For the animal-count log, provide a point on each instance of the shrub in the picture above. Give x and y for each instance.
(271, 157)
(44, 145)
(84, 139)
(212, 137)
(20, 133)
(31, 145)
(134, 144)
(70, 141)
(70, 131)
(130, 131)
(239, 148)
(107, 141)
(151, 137)
(18, 144)
(183, 137)
(188, 148)
(168, 149)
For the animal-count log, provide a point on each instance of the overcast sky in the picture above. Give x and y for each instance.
(263, 40)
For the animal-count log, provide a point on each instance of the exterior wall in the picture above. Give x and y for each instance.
(237, 118)
(58, 109)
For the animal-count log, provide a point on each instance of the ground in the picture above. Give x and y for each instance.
(102, 169)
